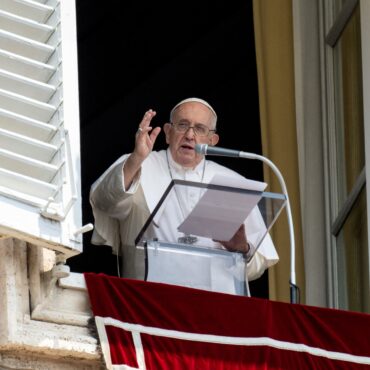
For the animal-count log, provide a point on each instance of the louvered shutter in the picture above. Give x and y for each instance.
(39, 124)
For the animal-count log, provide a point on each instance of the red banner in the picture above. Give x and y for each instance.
(155, 326)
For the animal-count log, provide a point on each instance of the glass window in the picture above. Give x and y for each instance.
(351, 241)
(352, 259)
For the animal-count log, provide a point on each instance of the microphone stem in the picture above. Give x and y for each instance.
(293, 286)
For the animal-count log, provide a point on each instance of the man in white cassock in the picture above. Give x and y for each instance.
(125, 195)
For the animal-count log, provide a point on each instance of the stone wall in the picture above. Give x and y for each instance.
(43, 324)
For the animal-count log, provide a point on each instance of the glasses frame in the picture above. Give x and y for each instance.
(175, 125)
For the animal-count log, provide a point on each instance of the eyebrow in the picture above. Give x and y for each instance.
(187, 121)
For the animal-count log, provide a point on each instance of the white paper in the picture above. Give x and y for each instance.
(219, 214)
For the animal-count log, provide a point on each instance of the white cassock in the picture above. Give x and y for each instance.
(120, 214)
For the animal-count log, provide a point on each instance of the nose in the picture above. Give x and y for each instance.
(189, 132)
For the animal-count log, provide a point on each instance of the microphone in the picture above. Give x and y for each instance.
(206, 150)
(212, 150)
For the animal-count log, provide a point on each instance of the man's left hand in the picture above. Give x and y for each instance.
(238, 243)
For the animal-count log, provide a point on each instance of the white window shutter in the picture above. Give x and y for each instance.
(40, 191)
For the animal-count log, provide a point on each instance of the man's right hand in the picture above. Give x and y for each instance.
(144, 142)
(145, 136)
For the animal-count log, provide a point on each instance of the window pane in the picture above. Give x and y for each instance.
(349, 108)
(352, 259)
(352, 247)
(337, 6)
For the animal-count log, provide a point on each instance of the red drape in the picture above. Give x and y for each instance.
(156, 326)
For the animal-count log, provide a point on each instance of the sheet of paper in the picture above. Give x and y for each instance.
(219, 213)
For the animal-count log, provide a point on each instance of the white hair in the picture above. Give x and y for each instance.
(189, 100)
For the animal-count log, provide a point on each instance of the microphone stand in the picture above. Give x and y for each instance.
(292, 282)
(209, 150)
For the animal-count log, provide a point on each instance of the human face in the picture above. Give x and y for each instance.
(182, 144)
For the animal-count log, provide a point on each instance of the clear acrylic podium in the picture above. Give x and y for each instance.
(179, 237)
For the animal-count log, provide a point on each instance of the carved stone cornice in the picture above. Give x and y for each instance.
(41, 319)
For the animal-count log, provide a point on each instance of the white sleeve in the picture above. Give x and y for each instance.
(258, 264)
(110, 204)
(109, 195)
(266, 254)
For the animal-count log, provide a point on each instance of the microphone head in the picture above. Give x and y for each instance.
(201, 148)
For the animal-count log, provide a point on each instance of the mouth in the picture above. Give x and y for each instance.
(187, 147)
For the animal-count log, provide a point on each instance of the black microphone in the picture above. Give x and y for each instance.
(212, 150)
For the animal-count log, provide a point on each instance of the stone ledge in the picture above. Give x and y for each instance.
(26, 360)
(43, 324)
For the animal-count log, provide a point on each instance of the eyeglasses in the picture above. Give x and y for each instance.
(199, 129)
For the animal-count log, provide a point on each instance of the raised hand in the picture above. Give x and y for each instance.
(145, 136)
(144, 142)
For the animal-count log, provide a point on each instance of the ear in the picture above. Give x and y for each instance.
(167, 128)
(214, 139)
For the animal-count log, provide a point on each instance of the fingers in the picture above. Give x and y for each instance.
(145, 122)
(154, 134)
(144, 130)
(145, 135)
